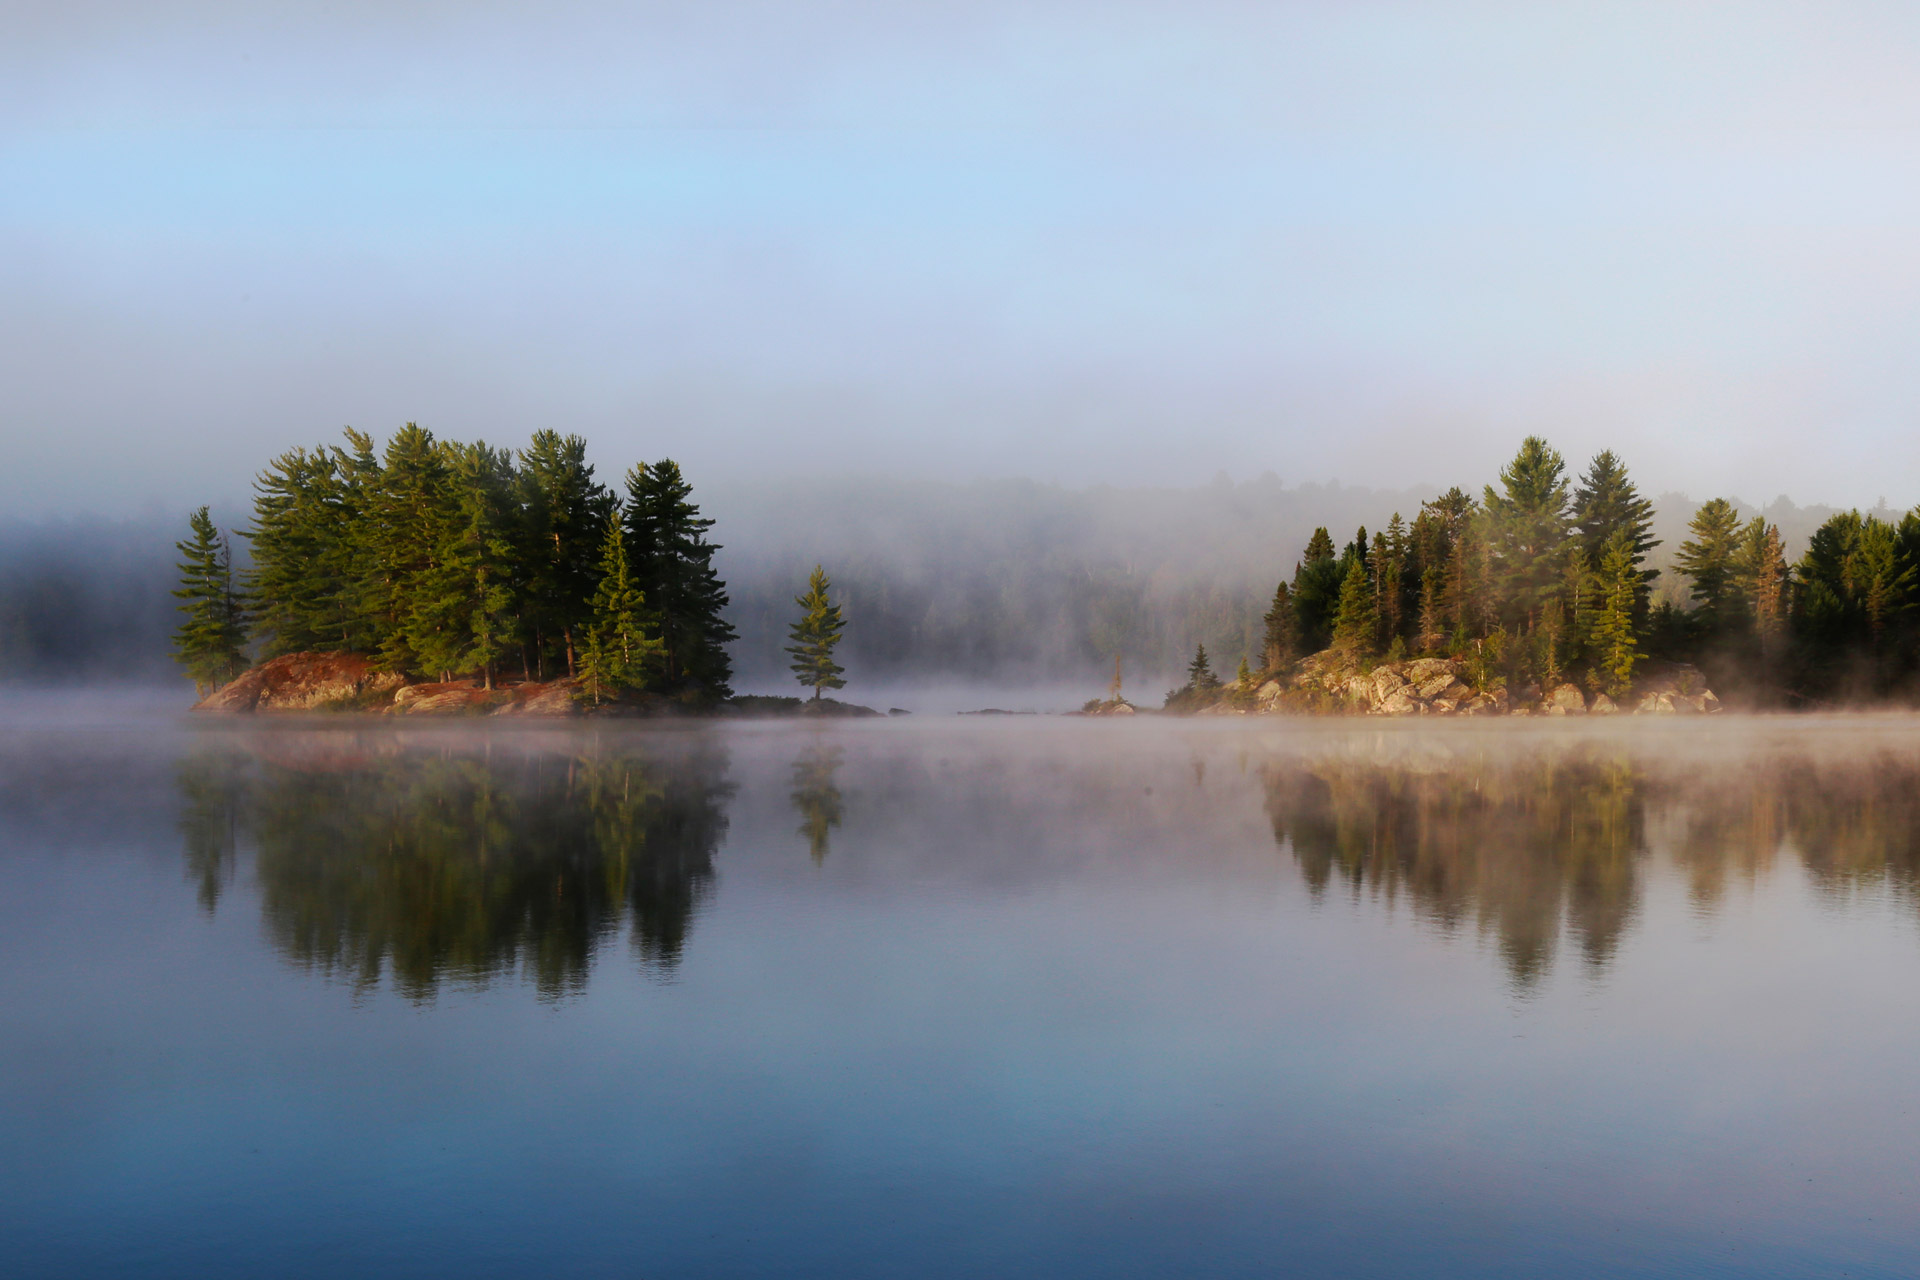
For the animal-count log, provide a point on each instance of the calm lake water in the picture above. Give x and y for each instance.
(960, 997)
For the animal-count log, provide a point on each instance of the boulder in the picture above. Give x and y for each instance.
(1603, 706)
(1398, 703)
(1423, 670)
(1565, 700)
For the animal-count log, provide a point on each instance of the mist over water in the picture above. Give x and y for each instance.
(959, 997)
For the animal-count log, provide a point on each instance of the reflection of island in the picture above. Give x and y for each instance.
(467, 866)
(1524, 847)
(1510, 848)
(816, 797)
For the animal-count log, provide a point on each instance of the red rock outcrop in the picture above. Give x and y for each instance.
(306, 682)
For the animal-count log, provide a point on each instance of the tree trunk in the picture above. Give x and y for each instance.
(568, 633)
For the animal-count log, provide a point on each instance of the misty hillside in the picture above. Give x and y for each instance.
(1003, 581)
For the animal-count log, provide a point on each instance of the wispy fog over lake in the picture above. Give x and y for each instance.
(960, 997)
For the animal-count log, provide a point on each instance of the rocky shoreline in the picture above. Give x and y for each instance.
(333, 683)
(1327, 684)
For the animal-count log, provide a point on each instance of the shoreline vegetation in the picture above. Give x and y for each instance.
(1535, 598)
(442, 578)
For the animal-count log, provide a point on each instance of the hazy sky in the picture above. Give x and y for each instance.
(1083, 242)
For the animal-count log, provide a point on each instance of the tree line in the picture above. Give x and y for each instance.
(442, 558)
(1542, 578)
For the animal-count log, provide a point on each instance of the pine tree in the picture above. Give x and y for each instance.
(1244, 677)
(1356, 622)
(464, 611)
(1316, 589)
(306, 537)
(815, 635)
(1615, 645)
(618, 647)
(1527, 529)
(564, 514)
(412, 511)
(1606, 503)
(1770, 592)
(210, 642)
(1200, 677)
(673, 563)
(1432, 636)
(1280, 642)
(1707, 561)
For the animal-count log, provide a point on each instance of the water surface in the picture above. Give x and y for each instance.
(960, 997)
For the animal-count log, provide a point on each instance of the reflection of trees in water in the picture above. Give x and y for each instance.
(816, 798)
(1523, 848)
(463, 867)
(1513, 849)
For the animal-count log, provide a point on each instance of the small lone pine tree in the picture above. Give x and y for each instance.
(1355, 620)
(209, 644)
(618, 647)
(1244, 677)
(1200, 671)
(815, 635)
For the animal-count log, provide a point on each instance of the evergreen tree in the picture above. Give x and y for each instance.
(673, 563)
(1243, 678)
(412, 513)
(308, 538)
(1281, 641)
(564, 514)
(1707, 561)
(1355, 623)
(1771, 581)
(1200, 677)
(1616, 649)
(1607, 503)
(1316, 590)
(815, 635)
(463, 614)
(210, 642)
(1432, 636)
(618, 646)
(1527, 529)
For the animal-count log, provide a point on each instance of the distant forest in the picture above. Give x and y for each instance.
(1010, 582)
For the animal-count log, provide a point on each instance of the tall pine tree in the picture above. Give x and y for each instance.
(1527, 523)
(211, 640)
(673, 563)
(564, 511)
(1356, 622)
(619, 646)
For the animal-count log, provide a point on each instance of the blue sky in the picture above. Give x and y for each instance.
(1086, 243)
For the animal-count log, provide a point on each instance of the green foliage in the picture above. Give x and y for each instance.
(1616, 650)
(619, 647)
(1356, 621)
(1707, 561)
(1200, 675)
(673, 564)
(211, 640)
(444, 558)
(564, 514)
(1607, 505)
(1527, 529)
(815, 636)
(1281, 639)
